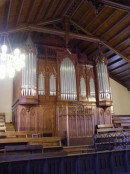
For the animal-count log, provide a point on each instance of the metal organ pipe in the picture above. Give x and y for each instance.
(52, 85)
(41, 84)
(68, 80)
(29, 72)
(104, 89)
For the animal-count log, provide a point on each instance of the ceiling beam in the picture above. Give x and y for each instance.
(124, 41)
(119, 63)
(92, 21)
(68, 7)
(40, 10)
(105, 20)
(127, 29)
(120, 69)
(77, 8)
(55, 32)
(79, 27)
(115, 5)
(31, 10)
(47, 9)
(85, 14)
(20, 11)
(124, 78)
(49, 21)
(122, 73)
(116, 25)
(8, 14)
(114, 50)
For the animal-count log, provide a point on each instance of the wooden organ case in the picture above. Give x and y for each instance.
(61, 97)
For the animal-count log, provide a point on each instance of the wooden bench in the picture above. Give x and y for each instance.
(22, 134)
(48, 143)
(78, 149)
(119, 119)
(23, 148)
(108, 137)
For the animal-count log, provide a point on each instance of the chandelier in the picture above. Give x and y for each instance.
(10, 60)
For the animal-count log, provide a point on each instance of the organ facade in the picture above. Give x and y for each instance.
(58, 93)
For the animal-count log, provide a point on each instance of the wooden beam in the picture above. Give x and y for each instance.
(113, 59)
(85, 14)
(123, 74)
(122, 42)
(115, 5)
(31, 10)
(40, 10)
(114, 50)
(81, 1)
(127, 71)
(108, 18)
(126, 49)
(20, 11)
(57, 7)
(49, 21)
(116, 25)
(92, 21)
(68, 7)
(119, 63)
(79, 27)
(120, 69)
(8, 14)
(124, 78)
(54, 31)
(127, 29)
(47, 9)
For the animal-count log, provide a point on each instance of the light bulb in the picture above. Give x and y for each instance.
(4, 48)
(16, 52)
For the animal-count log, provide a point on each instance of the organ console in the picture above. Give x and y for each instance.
(61, 93)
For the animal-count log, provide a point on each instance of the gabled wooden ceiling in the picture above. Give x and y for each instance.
(79, 24)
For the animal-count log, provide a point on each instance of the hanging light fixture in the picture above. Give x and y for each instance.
(10, 60)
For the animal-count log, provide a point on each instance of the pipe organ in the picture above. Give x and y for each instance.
(58, 94)
(104, 94)
(68, 80)
(29, 72)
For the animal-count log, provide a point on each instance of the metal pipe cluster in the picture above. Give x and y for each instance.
(29, 75)
(104, 88)
(52, 85)
(68, 80)
(92, 88)
(41, 84)
(83, 87)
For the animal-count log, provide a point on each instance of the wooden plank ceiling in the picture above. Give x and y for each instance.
(78, 24)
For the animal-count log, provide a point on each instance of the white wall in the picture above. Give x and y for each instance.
(120, 97)
(6, 98)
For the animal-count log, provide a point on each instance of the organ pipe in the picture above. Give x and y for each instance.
(41, 84)
(103, 77)
(92, 88)
(83, 87)
(68, 80)
(52, 85)
(29, 72)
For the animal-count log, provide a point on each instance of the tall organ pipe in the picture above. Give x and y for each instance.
(68, 80)
(29, 72)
